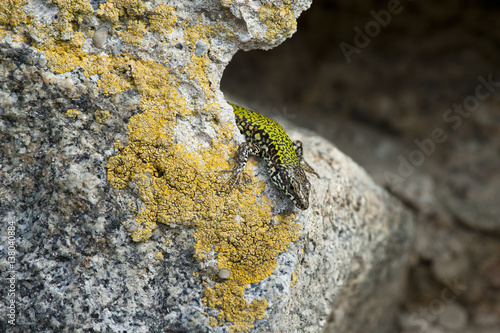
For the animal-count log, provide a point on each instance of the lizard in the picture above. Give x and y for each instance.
(284, 157)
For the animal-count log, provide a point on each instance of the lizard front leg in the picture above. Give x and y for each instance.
(244, 150)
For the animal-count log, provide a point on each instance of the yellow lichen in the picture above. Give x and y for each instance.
(279, 20)
(13, 19)
(61, 57)
(19, 37)
(72, 12)
(229, 297)
(112, 83)
(177, 184)
(162, 19)
(200, 31)
(113, 72)
(182, 187)
(226, 3)
(135, 31)
(77, 40)
(259, 307)
(212, 321)
(4, 31)
(293, 280)
(72, 113)
(158, 255)
(197, 72)
(12, 12)
(108, 11)
(101, 116)
(42, 31)
(113, 10)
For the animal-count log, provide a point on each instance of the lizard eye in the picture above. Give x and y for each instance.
(293, 185)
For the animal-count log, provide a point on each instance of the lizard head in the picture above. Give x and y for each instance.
(293, 181)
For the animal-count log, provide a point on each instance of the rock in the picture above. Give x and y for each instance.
(361, 280)
(100, 37)
(471, 182)
(110, 159)
(453, 317)
(486, 315)
(447, 268)
(224, 274)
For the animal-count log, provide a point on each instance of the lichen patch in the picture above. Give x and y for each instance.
(279, 20)
(177, 184)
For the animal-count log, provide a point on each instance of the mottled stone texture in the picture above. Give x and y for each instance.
(68, 108)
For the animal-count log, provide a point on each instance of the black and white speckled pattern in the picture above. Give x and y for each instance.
(267, 139)
(76, 268)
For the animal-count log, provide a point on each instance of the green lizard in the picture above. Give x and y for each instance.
(285, 163)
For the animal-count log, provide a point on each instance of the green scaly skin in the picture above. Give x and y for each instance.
(267, 139)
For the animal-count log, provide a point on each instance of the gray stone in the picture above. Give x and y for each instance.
(201, 47)
(453, 317)
(224, 273)
(100, 37)
(446, 269)
(473, 198)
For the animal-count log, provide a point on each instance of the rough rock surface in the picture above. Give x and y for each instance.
(113, 131)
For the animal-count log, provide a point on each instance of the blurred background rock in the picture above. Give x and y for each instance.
(417, 103)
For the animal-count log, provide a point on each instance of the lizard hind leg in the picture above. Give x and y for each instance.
(297, 145)
(238, 172)
(307, 168)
